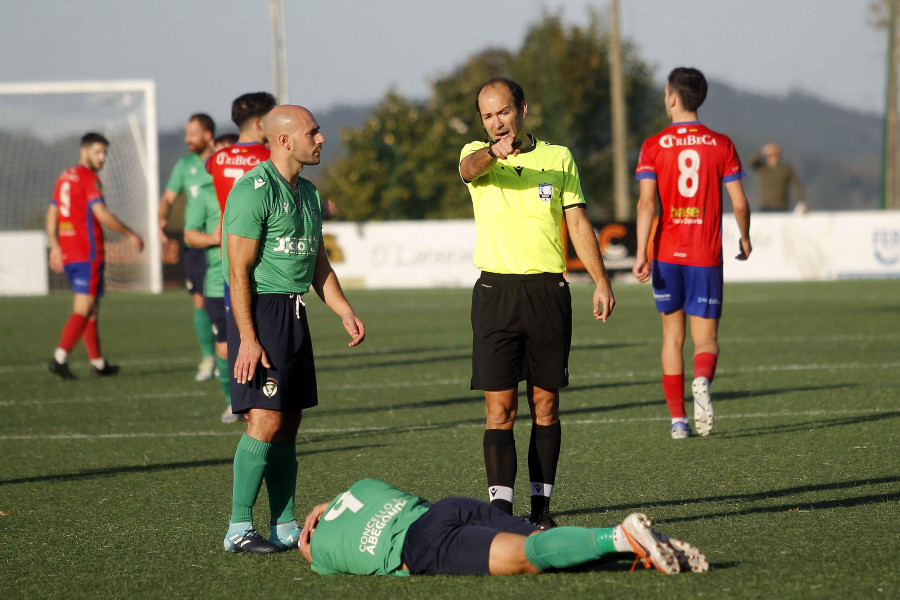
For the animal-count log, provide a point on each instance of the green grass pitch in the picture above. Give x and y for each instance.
(120, 487)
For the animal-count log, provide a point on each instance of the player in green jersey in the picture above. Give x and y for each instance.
(274, 253)
(202, 230)
(190, 177)
(375, 529)
(522, 188)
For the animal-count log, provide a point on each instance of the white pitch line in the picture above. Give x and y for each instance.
(456, 381)
(128, 397)
(600, 344)
(363, 430)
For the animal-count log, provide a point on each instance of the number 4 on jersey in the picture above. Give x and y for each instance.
(346, 501)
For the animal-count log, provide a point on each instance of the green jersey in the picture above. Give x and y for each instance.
(191, 177)
(363, 530)
(519, 206)
(203, 215)
(263, 206)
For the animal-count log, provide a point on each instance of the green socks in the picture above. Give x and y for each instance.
(250, 460)
(281, 481)
(563, 547)
(203, 327)
(276, 463)
(224, 377)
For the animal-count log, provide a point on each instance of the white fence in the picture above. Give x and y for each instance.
(427, 254)
(816, 247)
(786, 247)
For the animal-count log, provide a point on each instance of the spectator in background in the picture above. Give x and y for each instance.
(774, 179)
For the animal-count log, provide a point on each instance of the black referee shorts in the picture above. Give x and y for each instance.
(521, 329)
(454, 537)
(282, 330)
(194, 269)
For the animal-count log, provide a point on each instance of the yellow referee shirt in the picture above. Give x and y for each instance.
(519, 206)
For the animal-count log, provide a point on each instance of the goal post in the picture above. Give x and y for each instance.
(41, 124)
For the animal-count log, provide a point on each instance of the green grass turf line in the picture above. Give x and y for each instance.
(120, 487)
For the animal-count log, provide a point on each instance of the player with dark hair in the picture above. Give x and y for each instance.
(375, 529)
(229, 164)
(202, 230)
(224, 140)
(75, 220)
(189, 177)
(685, 166)
(274, 253)
(521, 190)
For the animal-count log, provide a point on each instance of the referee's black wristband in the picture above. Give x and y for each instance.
(490, 149)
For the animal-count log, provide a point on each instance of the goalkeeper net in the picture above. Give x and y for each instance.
(41, 125)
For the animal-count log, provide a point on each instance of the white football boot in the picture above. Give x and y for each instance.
(656, 549)
(703, 407)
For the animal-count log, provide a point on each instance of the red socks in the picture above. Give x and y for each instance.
(72, 331)
(91, 339)
(673, 385)
(673, 388)
(705, 366)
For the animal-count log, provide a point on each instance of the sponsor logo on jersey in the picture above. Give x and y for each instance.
(270, 388)
(687, 215)
(669, 140)
(545, 191)
(194, 190)
(287, 207)
(371, 535)
(886, 246)
(679, 212)
(296, 246)
(236, 160)
(193, 170)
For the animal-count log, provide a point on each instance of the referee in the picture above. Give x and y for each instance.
(274, 253)
(521, 189)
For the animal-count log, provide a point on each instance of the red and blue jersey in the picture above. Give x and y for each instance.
(689, 162)
(80, 235)
(229, 164)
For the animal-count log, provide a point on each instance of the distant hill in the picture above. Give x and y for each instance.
(836, 152)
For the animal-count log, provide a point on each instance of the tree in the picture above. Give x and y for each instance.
(403, 163)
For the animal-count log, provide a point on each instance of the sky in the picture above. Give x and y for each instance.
(204, 53)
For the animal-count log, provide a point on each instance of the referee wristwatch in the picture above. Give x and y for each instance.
(490, 149)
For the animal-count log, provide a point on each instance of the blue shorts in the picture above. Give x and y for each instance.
(194, 269)
(697, 290)
(454, 537)
(86, 277)
(282, 330)
(215, 310)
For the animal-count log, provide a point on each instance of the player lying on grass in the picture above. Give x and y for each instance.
(375, 529)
